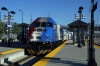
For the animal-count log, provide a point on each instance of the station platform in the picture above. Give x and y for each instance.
(68, 54)
(8, 54)
(97, 41)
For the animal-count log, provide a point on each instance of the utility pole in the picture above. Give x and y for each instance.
(48, 14)
(91, 53)
(31, 18)
(23, 37)
(0, 16)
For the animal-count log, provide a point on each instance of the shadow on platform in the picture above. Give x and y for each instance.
(69, 44)
(14, 45)
(71, 62)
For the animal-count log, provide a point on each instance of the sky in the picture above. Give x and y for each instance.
(62, 11)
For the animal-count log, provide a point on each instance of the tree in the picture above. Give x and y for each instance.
(15, 28)
(2, 28)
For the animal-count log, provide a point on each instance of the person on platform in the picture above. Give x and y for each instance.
(82, 40)
(79, 41)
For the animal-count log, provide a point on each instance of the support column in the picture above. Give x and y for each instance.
(73, 36)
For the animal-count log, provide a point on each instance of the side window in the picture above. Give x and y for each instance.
(49, 24)
(55, 26)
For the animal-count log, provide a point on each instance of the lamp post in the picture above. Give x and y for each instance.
(9, 17)
(79, 16)
(22, 15)
(22, 26)
(80, 11)
(31, 18)
(0, 16)
(91, 57)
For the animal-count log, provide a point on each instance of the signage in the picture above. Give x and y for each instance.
(9, 25)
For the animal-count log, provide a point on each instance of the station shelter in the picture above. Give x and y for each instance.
(23, 34)
(79, 27)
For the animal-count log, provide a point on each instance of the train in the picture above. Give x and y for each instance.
(45, 32)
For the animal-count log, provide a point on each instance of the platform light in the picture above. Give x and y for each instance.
(11, 17)
(83, 16)
(9, 12)
(76, 16)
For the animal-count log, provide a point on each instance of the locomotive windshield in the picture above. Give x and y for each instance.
(37, 24)
(43, 24)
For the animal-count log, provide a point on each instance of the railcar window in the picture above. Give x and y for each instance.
(49, 24)
(43, 24)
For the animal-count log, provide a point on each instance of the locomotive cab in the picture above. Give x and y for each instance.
(41, 34)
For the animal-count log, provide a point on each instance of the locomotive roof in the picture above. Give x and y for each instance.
(45, 19)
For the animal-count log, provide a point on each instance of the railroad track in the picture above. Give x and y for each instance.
(29, 59)
(24, 60)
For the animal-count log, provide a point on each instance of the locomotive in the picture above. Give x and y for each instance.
(45, 32)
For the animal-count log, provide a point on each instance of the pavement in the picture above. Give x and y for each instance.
(4, 49)
(97, 40)
(68, 55)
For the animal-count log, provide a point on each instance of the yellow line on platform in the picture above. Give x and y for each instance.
(10, 51)
(46, 59)
(96, 46)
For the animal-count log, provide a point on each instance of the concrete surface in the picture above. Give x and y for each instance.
(9, 55)
(97, 40)
(4, 49)
(71, 55)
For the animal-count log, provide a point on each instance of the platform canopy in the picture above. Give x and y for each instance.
(77, 24)
(23, 25)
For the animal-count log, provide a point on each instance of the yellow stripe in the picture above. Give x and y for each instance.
(44, 52)
(96, 46)
(40, 52)
(44, 61)
(29, 51)
(10, 51)
(32, 51)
